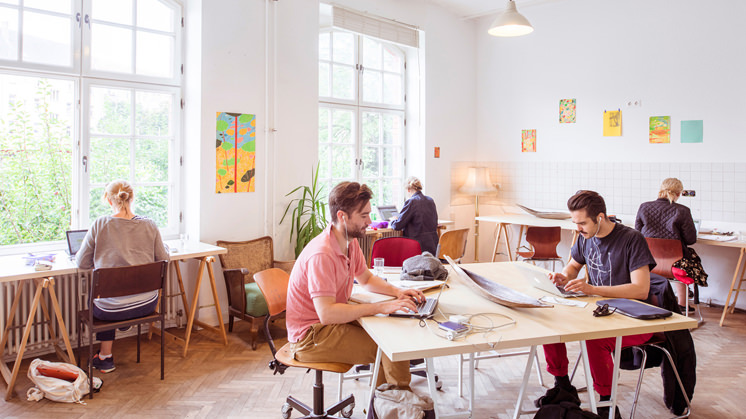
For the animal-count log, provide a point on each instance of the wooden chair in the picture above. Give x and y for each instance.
(274, 286)
(120, 282)
(666, 252)
(394, 250)
(453, 244)
(245, 300)
(543, 241)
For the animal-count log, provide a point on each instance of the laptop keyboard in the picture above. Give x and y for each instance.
(427, 306)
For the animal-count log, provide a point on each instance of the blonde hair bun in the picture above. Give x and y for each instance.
(119, 192)
(671, 189)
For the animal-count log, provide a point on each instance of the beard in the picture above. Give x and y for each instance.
(356, 233)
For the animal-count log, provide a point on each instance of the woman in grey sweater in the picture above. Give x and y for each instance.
(120, 239)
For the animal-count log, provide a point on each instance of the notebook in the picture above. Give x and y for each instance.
(635, 309)
(425, 309)
(542, 282)
(74, 240)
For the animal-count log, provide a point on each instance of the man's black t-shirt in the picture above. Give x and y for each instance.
(610, 260)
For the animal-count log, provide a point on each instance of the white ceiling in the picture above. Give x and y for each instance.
(476, 8)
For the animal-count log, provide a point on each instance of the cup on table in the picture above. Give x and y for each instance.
(742, 235)
(378, 267)
(182, 240)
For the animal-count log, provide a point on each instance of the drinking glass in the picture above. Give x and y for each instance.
(378, 267)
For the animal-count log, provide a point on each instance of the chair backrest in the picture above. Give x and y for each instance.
(453, 244)
(255, 255)
(128, 280)
(665, 252)
(273, 283)
(544, 241)
(394, 250)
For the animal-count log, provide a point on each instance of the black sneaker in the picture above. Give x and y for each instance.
(103, 365)
(558, 394)
(604, 412)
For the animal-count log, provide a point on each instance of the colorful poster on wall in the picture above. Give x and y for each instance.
(567, 111)
(692, 131)
(528, 141)
(660, 129)
(613, 123)
(235, 152)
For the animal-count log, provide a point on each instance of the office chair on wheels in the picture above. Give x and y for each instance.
(274, 285)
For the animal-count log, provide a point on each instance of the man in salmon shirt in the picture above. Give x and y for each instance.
(321, 323)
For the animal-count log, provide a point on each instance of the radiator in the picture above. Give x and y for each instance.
(68, 288)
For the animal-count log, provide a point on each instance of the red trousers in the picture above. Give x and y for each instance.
(599, 358)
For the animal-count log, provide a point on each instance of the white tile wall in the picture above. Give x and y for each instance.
(720, 187)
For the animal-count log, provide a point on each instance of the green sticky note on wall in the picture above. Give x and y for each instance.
(691, 131)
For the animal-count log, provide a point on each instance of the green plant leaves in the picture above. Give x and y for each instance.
(308, 218)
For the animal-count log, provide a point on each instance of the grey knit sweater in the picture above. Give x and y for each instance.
(112, 242)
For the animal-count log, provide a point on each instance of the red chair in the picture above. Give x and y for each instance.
(394, 250)
(544, 241)
(666, 252)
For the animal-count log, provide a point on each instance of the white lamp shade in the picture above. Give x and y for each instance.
(477, 182)
(510, 23)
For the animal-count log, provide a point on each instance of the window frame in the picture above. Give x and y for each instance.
(83, 78)
(359, 107)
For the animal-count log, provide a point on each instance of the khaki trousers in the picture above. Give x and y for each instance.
(348, 343)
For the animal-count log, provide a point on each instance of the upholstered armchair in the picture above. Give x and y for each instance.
(245, 299)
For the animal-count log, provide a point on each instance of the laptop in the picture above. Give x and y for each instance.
(543, 283)
(425, 309)
(74, 240)
(387, 212)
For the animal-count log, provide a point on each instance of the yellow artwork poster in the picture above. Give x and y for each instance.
(660, 129)
(235, 152)
(613, 123)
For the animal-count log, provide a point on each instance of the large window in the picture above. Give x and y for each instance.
(362, 112)
(89, 93)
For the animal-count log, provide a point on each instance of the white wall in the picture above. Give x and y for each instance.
(679, 58)
(231, 51)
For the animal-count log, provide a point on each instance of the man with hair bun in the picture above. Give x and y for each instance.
(321, 324)
(120, 239)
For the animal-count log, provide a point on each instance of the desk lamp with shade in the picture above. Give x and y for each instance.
(477, 183)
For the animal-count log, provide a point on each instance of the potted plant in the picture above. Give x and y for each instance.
(309, 213)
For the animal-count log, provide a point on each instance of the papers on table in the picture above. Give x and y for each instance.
(563, 301)
(717, 237)
(361, 295)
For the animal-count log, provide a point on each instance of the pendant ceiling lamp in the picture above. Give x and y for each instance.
(510, 23)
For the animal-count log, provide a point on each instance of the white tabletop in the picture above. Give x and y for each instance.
(528, 220)
(14, 268)
(403, 339)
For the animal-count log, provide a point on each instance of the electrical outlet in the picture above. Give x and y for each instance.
(634, 103)
(689, 192)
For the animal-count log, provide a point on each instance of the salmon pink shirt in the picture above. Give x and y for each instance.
(322, 270)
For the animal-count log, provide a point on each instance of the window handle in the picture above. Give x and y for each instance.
(77, 19)
(85, 164)
(88, 21)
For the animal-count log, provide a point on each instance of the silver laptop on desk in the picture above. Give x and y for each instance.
(387, 212)
(74, 240)
(542, 282)
(425, 309)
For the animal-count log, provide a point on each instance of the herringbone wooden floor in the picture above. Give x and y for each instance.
(215, 381)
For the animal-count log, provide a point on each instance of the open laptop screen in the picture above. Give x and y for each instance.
(387, 212)
(74, 240)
